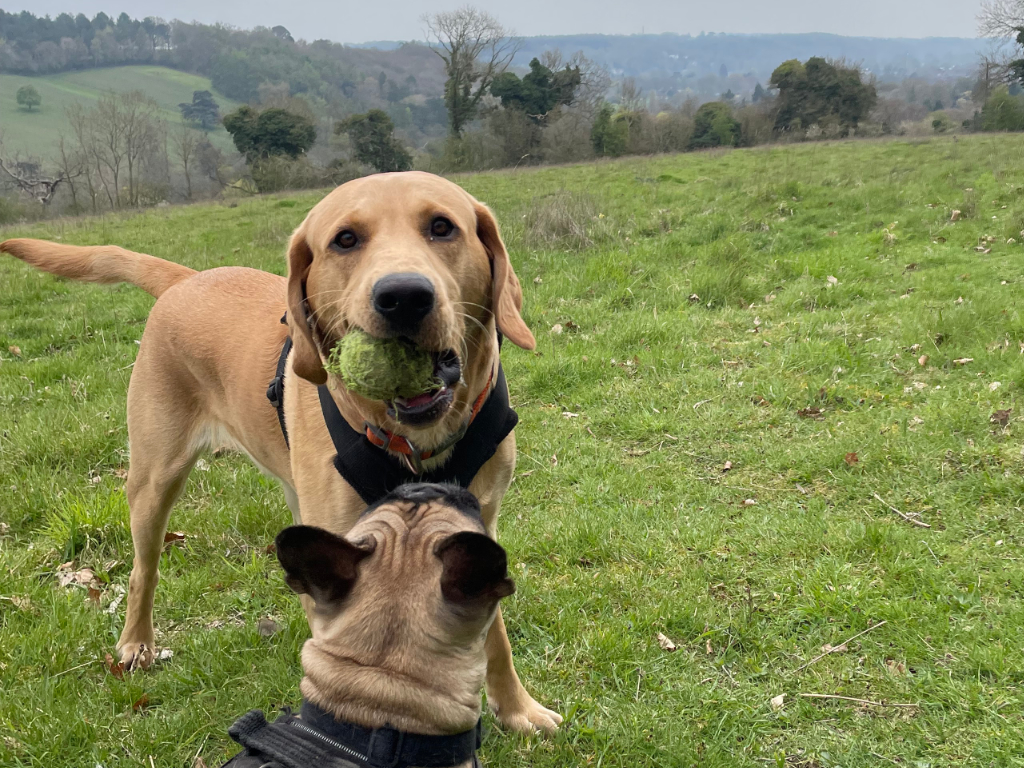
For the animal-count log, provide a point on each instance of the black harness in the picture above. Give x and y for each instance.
(317, 740)
(373, 472)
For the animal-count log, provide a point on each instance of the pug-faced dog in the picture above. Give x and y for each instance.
(396, 663)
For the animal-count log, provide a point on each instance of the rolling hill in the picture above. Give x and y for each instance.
(35, 133)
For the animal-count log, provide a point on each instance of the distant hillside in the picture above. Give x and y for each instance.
(35, 133)
(645, 55)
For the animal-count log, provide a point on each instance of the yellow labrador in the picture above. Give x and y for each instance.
(399, 255)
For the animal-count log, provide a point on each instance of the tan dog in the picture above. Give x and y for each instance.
(403, 605)
(406, 254)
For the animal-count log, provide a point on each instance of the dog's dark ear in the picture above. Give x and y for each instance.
(318, 563)
(475, 569)
(305, 359)
(506, 292)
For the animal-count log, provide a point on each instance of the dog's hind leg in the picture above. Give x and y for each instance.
(165, 438)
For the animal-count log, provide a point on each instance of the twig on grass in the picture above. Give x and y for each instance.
(858, 701)
(72, 669)
(836, 648)
(908, 518)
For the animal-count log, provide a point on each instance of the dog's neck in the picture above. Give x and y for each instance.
(439, 696)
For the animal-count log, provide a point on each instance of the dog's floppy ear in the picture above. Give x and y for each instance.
(506, 292)
(305, 357)
(318, 563)
(475, 569)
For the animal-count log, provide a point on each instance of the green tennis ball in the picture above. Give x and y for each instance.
(381, 369)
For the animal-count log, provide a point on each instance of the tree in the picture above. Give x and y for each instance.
(609, 135)
(821, 91)
(1003, 112)
(185, 141)
(31, 182)
(373, 138)
(759, 94)
(28, 97)
(714, 126)
(203, 110)
(270, 132)
(475, 48)
(539, 91)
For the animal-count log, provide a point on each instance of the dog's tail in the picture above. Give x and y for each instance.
(99, 264)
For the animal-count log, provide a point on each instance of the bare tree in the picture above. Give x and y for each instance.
(1001, 18)
(71, 166)
(185, 141)
(141, 135)
(475, 49)
(632, 98)
(27, 178)
(594, 80)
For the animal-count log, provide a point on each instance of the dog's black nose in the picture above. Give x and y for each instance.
(403, 299)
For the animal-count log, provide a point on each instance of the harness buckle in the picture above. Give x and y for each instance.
(275, 391)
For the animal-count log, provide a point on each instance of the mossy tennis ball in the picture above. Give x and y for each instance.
(381, 369)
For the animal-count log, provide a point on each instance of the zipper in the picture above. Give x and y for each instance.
(328, 740)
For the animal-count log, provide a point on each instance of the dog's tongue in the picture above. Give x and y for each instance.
(423, 399)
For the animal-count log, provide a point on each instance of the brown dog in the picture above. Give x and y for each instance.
(403, 604)
(407, 254)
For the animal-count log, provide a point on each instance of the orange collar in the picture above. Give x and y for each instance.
(389, 441)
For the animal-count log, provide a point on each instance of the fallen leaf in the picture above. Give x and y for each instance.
(749, 503)
(956, 216)
(922, 360)
(267, 627)
(120, 473)
(809, 413)
(829, 648)
(994, 386)
(851, 458)
(777, 702)
(694, 297)
(94, 594)
(554, 459)
(556, 328)
(832, 280)
(165, 654)
(665, 644)
(140, 703)
(963, 360)
(910, 267)
(118, 591)
(80, 578)
(117, 670)
(21, 603)
(203, 465)
(173, 537)
(759, 401)
(960, 300)
(271, 548)
(14, 350)
(571, 327)
(727, 466)
(199, 763)
(537, 280)
(939, 240)
(897, 668)
(1002, 418)
(707, 646)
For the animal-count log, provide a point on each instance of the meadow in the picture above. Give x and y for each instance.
(767, 510)
(36, 133)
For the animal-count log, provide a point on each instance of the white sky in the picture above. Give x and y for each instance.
(400, 19)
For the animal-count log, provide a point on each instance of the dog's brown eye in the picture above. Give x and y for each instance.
(346, 239)
(441, 227)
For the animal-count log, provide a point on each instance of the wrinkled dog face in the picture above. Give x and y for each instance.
(406, 255)
(414, 579)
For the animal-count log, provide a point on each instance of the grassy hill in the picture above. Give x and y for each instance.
(773, 408)
(35, 133)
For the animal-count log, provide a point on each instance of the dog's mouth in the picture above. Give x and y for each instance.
(427, 407)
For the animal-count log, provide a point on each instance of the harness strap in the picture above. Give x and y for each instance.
(275, 392)
(317, 739)
(374, 473)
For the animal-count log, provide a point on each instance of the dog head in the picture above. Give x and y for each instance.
(406, 255)
(401, 608)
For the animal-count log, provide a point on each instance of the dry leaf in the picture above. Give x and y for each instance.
(140, 703)
(956, 216)
(707, 646)
(173, 537)
(694, 297)
(759, 401)
(922, 360)
(537, 280)
(777, 702)
(199, 763)
(267, 627)
(271, 548)
(665, 644)
(897, 668)
(963, 361)
(727, 466)
(556, 328)
(809, 413)
(851, 458)
(749, 503)
(94, 594)
(1002, 418)
(117, 670)
(14, 350)
(571, 327)
(203, 465)
(994, 386)
(832, 280)
(80, 578)
(959, 300)
(165, 654)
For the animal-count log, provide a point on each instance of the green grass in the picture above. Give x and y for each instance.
(621, 522)
(36, 133)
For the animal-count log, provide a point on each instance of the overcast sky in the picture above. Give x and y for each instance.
(399, 19)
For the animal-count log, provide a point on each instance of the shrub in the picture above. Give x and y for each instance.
(714, 126)
(1003, 112)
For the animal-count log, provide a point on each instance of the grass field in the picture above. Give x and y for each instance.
(761, 354)
(35, 133)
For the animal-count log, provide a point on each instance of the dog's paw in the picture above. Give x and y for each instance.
(528, 717)
(136, 656)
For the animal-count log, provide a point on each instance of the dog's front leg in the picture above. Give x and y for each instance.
(514, 707)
